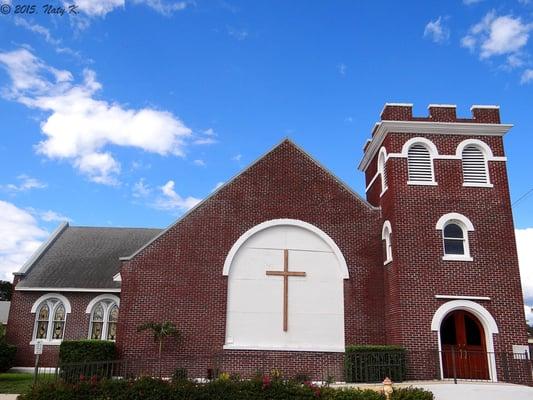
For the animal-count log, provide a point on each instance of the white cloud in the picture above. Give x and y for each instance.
(470, 2)
(527, 76)
(342, 68)
(239, 34)
(45, 33)
(199, 163)
(163, 7)
(21, 236)
(52, 216)
(141, 189)
(80, 126)
(99, 8)
(524, 242)
(208, 136)
(237, 157)
(497, 35)
(217, 186)
(437, 31)
(25, 183)
(96, 8)
(170, 200)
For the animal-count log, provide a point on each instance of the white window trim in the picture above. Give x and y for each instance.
(487, 320)
(111, 301)
(423, 183)
(51, 311)
(382, 165)
(466, 225)
(386, 235)
(433, 153)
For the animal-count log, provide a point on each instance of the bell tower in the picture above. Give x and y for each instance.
(447, 228)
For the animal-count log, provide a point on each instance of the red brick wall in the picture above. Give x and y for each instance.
(418, 272)
(21, 324)
(179, 277)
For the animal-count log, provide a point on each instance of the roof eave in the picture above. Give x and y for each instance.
(428, 127)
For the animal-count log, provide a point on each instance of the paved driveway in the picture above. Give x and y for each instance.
(478, 391)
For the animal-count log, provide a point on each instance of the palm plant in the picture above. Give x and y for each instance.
(160, 332)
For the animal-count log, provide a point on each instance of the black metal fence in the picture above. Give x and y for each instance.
(364, 367)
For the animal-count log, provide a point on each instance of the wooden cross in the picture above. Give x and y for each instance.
(285, 274)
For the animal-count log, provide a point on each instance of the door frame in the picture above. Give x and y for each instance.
(484, 317)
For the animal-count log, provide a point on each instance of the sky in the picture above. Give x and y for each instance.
(127, 113)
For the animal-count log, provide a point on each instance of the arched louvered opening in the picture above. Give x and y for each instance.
(382, 171)
(474, 166)
(419, 164)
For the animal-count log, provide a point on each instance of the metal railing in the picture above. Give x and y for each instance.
(364, 367)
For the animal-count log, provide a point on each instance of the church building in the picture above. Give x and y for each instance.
(285, 265)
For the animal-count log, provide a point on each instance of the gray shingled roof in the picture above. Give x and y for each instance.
(85, 257)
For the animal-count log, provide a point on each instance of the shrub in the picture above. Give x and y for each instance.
(219, 389)
(179, 374)
(80, 359)
(374, 363)
(7, 356)
(76, 351)
(411, 393)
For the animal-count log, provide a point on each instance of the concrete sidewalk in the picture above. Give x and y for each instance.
(477, 391)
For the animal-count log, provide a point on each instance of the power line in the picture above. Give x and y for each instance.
(522, 197)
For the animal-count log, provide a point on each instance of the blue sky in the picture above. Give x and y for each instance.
(214, 84)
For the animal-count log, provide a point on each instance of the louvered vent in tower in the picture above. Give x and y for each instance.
(419, 164)
(474, 166)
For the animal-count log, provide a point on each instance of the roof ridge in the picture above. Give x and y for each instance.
(285, 139)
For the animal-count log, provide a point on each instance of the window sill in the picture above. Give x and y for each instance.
(46, 342)
(457, 258)
(422, 183)
(387, 262)
(383, 192)
(487, 185)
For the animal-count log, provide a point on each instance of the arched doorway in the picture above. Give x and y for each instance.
(464, 349)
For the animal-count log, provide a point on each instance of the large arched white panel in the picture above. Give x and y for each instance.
(315, 301)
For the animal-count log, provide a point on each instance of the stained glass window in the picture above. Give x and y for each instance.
(42, 322)
(104, 318)
(50, 320)
(113, 319)
(97, 321)
(59, 322)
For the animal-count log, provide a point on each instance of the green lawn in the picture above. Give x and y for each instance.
(15, 382)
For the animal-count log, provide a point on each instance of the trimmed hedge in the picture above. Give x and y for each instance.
(220, 389)
(373, 363)
(76, 351)
(7, 356)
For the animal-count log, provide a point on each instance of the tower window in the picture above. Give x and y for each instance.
(454, 239)
(419, 164)
(386, 236)
(382, 169)
(455, 228)
(474, 166)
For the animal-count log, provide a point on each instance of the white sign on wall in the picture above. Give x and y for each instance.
(38, 347)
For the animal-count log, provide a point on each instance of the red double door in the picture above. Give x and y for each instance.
(464, 351)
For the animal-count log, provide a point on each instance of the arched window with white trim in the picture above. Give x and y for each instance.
(386, 236)
(103, 317)
(50, 317)
(455, 228)
(419, 164)
(382, 158)
(475, 168)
